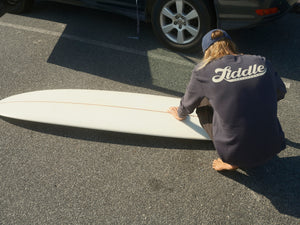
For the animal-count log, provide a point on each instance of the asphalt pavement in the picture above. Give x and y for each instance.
(59, 175)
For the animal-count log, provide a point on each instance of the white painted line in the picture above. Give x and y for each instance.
(98, 43)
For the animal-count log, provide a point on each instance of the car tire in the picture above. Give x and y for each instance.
(180, 25)
(21, 7)
(2, 8)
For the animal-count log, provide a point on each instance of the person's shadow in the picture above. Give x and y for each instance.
(278, 180)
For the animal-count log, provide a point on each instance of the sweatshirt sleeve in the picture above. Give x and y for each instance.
(279, 85)
(281, 89)
(192, 97)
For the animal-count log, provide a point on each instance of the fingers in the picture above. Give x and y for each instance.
(173, 111)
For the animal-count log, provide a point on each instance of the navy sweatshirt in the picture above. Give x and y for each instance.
(243, 90)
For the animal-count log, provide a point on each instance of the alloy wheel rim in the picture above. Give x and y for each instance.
(180, 22)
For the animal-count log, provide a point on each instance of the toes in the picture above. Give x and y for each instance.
(215, 164)
(219, 165)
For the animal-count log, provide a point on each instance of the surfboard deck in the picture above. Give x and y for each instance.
(103, 110)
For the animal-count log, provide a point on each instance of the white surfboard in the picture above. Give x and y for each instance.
(103, 110)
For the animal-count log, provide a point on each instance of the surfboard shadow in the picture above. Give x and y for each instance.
(112, 137)
(278, 180)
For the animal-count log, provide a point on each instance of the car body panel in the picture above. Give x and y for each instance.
(230, 14)
(234, 14)
(124, 7)
(225, 14)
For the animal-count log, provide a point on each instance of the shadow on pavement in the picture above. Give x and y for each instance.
(278, 180)
(113, 137)
(98, 43)
(277, 41)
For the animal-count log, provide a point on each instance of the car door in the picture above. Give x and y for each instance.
(118, 3)
(125, 7)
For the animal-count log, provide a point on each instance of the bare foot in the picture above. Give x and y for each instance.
(219, 165)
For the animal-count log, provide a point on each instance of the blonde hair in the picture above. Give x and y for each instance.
(218, 49)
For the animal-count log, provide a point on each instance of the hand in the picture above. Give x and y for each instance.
(173, 111)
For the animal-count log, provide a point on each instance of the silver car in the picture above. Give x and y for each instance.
(180, 24)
